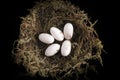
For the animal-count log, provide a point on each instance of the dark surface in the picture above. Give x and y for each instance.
(103, 11)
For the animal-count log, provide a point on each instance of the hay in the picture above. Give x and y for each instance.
(29, 51)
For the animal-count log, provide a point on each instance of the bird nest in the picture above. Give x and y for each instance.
(30, 52)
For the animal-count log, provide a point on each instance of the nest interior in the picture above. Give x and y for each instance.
(29, 51)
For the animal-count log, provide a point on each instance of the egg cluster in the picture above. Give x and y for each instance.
(57, 34)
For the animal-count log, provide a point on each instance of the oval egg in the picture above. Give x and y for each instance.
(52, 49)
(46, 38)
(57, 33)
(66, 48)
(68, 31)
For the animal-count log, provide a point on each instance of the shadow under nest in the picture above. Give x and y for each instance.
(29, 51)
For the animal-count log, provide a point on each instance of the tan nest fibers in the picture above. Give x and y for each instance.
(30, 51)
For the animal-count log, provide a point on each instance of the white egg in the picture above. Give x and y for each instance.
(57, 33)
(66, 48)
(68, 31)
(46, 38)
(52, 49)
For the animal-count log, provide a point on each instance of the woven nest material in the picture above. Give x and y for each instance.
(30, 52)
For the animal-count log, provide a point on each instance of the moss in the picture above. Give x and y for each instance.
(30, 51)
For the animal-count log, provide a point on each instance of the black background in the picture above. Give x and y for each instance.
(105, 12)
